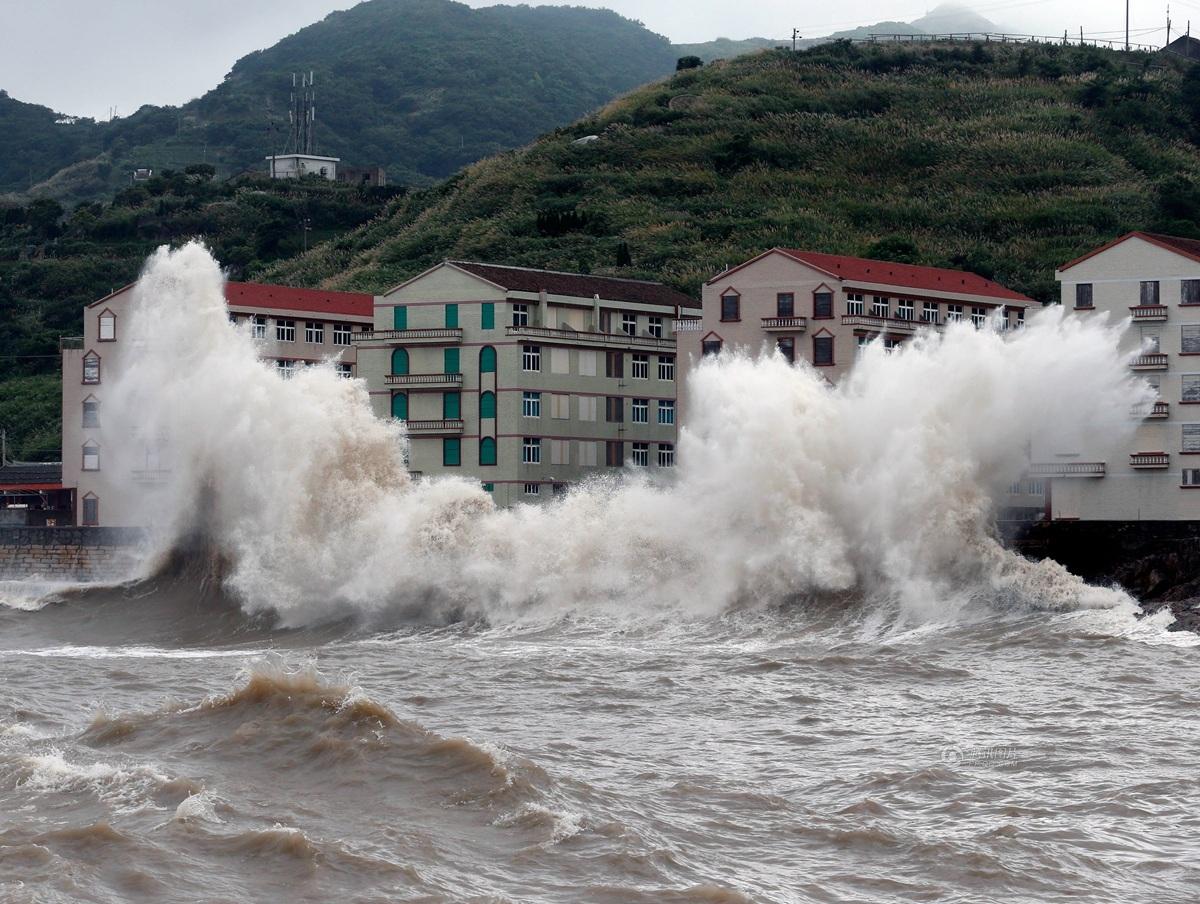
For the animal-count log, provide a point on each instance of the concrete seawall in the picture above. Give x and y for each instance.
(68, 553)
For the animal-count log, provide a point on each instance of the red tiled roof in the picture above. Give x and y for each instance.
(907, 276)
(309, 301)
(1189, 248)
(578, 285)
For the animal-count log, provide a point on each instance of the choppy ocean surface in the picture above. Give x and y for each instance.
(791, 755)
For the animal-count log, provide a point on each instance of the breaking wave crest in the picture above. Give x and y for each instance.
(882, 488)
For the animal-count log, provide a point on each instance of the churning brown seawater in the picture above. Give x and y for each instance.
(153, 752)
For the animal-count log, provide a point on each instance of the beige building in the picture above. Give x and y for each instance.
(527, 380)
(1155, 281)
(822, 308)
(297, 327)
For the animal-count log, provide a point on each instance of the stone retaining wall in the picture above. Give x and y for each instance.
(68, 553)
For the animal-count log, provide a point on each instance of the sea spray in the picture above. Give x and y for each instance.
(882, 487)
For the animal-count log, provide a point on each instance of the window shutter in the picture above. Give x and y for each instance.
(1191, 437)
(1189, 339)
(1190, 387)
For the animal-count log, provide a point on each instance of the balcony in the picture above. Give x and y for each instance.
(1157, 410)
(1067, 469)
(689, 325)
(66, 342)
(1145, 460)
(151, 476)
(1155, 361)
(790, 324)
(438, 336)
(434, 428)
(424, 381)
(585, 339)
(1148, 313)
(894, 325)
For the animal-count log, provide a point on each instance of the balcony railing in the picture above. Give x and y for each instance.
(65, 342)
(1148, 312)
(437, 336)
(434, 427)
(1067, 469)
(1149, 460)
(579, 337)
(1157, 410)
(689, 325)
(794, 324)
(424, 381)
(879, 324)
(1155, 361)
(150, 475)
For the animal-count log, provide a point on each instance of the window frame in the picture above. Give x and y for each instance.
(1085, 299)
(639, 407)
(111, 318)
(666, 455)
(92, 405)
(785, 304)
(531, 450)
(822, 303)
(832, 346)
(731, 302)
(90, 449)
(531, 355)
(94, 519)
(654, 326)
(666, 412)
(531, 404)
(314, 332)
(89, 357)
(520, 314)
(666, 365)
(639, 454)
(451, 444)
(285, 330)
(341, 334)
(640, 366)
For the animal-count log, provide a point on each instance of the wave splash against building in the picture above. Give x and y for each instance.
(881, 488)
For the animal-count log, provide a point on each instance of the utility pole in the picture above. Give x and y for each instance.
(795, 34)
(1127, 26)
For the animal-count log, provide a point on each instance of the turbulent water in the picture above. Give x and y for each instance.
(800, 670)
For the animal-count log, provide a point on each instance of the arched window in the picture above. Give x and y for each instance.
(91, 368)
(91, 456)
(487, 404)
(400, 406)
(400, 361)
(487, 451)
(108, 326)
(487, 360)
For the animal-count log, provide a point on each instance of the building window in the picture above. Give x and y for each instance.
(487, 404)
(1083, 295)
(787, 348)
(905, 310)
(487, 451)
(91, 413)
(91, 511)
(487, 360)
(91, 456)
(400, 361)
(487, 315)
(954, 313)
(890, 344)
(586, 358)
(451, 452)
(285, 331)
(1191, 437)
(785, 304)
(710, 347)
(531, 358)
(629, 324)
(1191, 477)
(400, 406)
(286, 368)
(589, 407)
(314, 331)
(341, 334)
(639, 411)
(531, 404)
(822, 351)
(614, 410)
(520, 315)
(854, 303)
(531, 450)
(862, 343)
(108, 327)
(929, 312)
(641, 454)
(451, 406)
(666, 367)
(1149, 292)
(881, 306)
(822, 305)
(258, 327)
(489, 487)
(91, 368)
(399, 317)
(666, 455)
(533, 489)
(560, 452)
(641, 367)
(560, 360)
(1189, 387)
(614, 364)
(1189, 339)
(731, 307)
(233, 319)
(1020, 319)
(614, 454)
(1189, 291)
(666, 411)
(345, 370)
(1152, 344)
(979, 317)
(654, 326)
(451, 316)
(450, 361)
(587, 453)
(560, 406)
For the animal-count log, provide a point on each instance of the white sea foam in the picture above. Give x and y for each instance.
(127, 787)
(883, 486)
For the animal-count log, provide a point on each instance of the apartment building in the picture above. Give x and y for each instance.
(1154, 280)
(822, 308)
(296, 327)
(527, 380)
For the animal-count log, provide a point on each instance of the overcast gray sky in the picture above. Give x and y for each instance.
(84, 57)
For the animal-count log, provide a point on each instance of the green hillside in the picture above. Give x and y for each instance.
(421, 87)
(1001, 159)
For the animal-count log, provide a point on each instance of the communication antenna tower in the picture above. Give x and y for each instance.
(303, 114)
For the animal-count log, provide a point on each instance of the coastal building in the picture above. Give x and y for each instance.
(1154, 280)
(296, 166)
(822, 308)
(526, 380)
(32, 495)
(296, 327)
